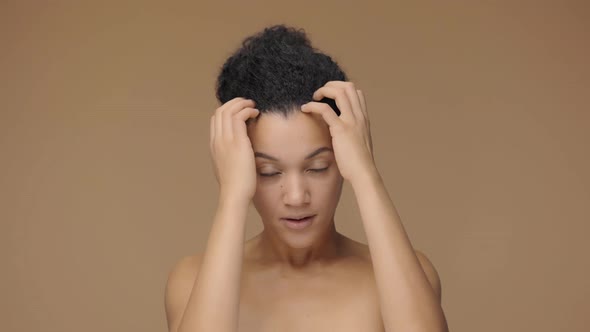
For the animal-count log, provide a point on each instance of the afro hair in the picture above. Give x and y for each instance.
(279, 69)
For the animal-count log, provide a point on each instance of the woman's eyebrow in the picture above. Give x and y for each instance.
(309, 156)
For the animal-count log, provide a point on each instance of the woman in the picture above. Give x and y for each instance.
(279, 140)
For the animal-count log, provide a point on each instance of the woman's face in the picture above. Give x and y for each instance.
(297, 175)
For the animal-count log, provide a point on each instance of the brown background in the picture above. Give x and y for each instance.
(480, 122)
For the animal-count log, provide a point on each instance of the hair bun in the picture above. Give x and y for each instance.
(277, 68)
(278, 38)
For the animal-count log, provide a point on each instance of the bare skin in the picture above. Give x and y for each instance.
(339, 296)
(310, 279)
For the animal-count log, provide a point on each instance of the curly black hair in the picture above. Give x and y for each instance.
(279, 69)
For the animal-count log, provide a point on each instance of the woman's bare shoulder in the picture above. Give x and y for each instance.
(187, 266)
(430, 272)
(181, 279)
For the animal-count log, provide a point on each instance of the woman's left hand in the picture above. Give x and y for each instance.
(351, 136)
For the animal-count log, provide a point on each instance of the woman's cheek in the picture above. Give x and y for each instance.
(263, 199)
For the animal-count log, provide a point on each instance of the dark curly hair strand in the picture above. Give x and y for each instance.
(279, 69)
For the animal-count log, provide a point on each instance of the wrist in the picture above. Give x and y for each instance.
(232, 210)
(233, 200)
(369, 176)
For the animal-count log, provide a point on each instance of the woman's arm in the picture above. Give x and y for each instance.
(408, 300)
(213, 302)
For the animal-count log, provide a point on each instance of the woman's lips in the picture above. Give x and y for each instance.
(298, 224)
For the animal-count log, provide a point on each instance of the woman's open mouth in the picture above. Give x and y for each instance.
(294, 223)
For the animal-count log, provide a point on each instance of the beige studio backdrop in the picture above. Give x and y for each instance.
(480, 121)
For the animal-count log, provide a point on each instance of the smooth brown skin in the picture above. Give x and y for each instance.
(343, 297)
(309, 280)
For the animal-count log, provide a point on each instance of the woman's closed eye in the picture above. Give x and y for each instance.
(314, 170)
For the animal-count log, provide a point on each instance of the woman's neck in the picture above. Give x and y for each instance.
(268, 249)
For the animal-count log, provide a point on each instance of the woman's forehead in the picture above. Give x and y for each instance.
(299, 132)
(299, 125)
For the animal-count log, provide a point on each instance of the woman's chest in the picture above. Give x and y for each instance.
(324, 304)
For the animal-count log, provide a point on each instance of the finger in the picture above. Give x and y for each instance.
(240, 104)
(218, 124)
(362, 100)
(229, 113)
(212, 124)
(240, 118)
(363, 104)
(219, 112)
(233, 101)
(339, 96)
(211, 132)
(351, 93)
(324, 110)
(365, 112)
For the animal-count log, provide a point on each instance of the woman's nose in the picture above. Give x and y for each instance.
(295, 191)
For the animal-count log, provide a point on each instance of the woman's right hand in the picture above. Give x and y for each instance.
(231, 149)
